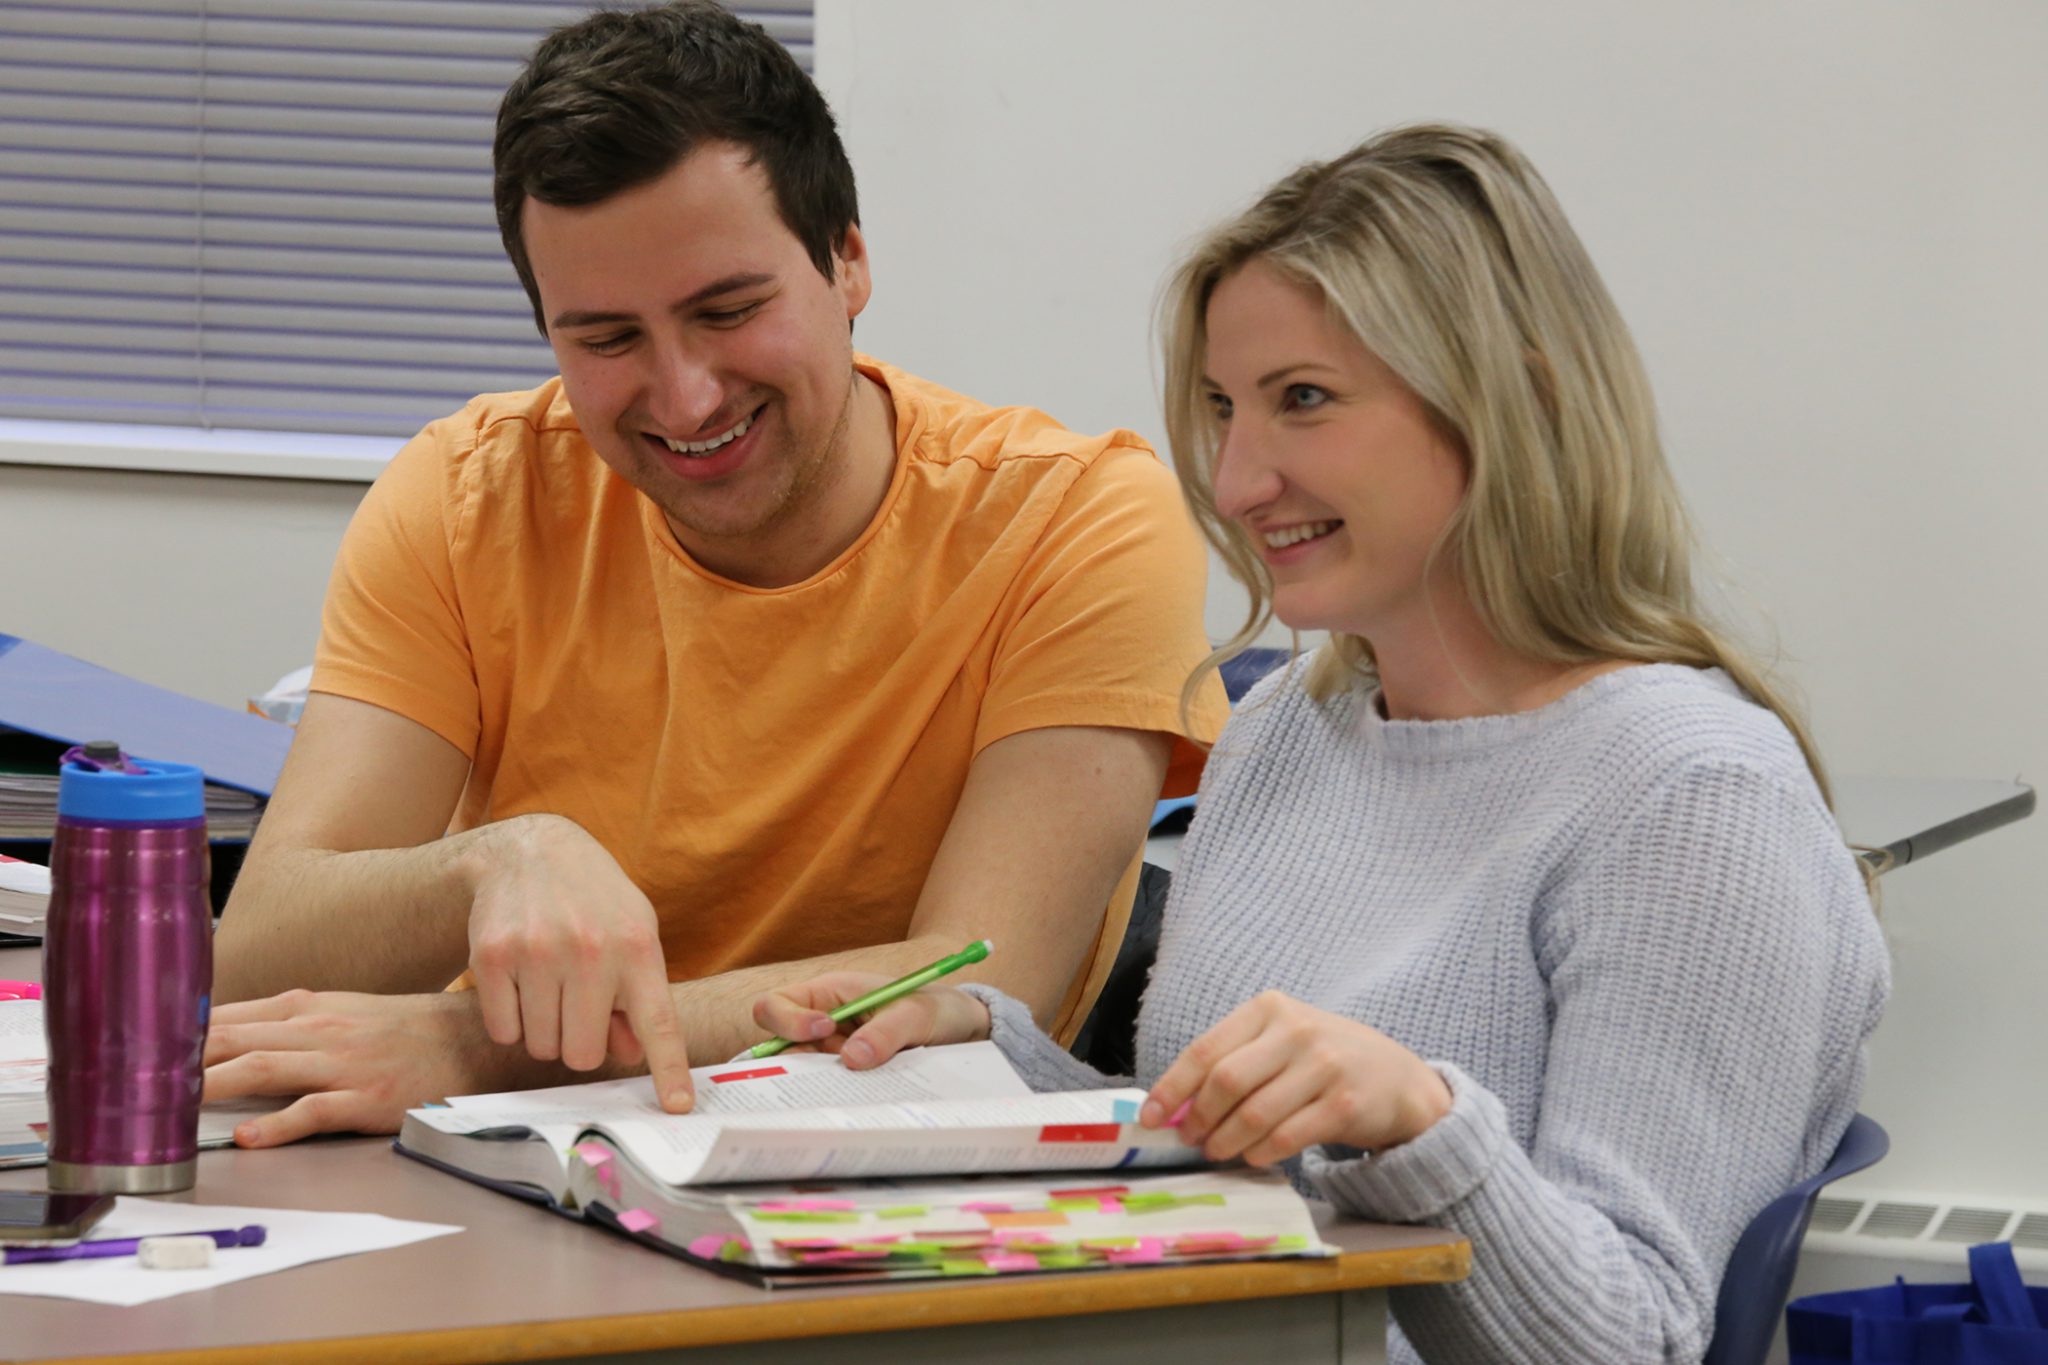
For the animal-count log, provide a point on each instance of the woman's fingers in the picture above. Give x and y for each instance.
(1170, 1099)
(799, 1012)
(1249, 1124)
(1230, 1082)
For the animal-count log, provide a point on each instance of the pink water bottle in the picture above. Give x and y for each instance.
(127, 973)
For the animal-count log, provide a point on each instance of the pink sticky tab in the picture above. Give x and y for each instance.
(1173, 1120)
(823, 1205)
(1010, 1261)
(638, 1220)
(705, 1248)
(593, 1153)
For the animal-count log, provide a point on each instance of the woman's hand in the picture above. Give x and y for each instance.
(934, 1015)
(1277, 1076)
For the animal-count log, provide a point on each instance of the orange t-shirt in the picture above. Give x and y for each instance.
(774, 768)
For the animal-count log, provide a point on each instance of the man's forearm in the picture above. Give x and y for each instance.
(383, 920)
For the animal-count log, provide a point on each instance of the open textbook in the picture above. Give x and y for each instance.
(938, 1163)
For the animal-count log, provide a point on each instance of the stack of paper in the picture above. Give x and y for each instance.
(28, 794)
(50, 701)
(24, 896)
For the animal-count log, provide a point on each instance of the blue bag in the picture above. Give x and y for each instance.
(1994, 1320)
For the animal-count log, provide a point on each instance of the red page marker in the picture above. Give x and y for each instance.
(756, 1074)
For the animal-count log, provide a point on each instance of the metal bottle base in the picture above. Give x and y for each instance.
(164, 1178)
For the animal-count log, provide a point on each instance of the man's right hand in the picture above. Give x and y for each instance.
(567, 957)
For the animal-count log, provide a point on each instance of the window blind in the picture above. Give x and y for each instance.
(265, 214)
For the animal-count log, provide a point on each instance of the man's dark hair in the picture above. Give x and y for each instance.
(618, 99)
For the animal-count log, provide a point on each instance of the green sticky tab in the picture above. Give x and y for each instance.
(805, 1216)
(961, 1267)
(1151, 1203)
(903, 1211)
(1064, 1260)
(1291, 1244)
(1091, 1203)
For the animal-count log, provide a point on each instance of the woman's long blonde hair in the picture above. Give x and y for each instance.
(1444, 252)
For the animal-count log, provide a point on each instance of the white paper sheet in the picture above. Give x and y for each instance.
(21, 1031)
(296, 1237)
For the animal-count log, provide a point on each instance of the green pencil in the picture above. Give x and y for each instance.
(895, 990)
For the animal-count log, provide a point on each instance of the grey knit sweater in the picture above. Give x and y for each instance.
(1623, 927)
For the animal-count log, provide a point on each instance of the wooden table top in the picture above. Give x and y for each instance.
(520, 1283)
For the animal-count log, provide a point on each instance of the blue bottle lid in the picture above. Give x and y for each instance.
(98, 782)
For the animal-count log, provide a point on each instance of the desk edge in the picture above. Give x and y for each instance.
(801, 1314)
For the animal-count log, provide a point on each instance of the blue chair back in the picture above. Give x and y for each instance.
(1759, 1274)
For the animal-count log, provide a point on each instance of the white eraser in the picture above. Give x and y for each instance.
(175, 1253)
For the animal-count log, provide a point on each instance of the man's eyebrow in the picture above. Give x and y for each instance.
(746, 279)
(724, 285)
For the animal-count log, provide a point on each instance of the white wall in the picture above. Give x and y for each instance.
(1825, 222)
(206, 584)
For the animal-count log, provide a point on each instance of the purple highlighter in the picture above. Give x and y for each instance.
(250, 1236)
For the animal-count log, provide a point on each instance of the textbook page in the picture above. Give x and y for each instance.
(795, 1080)
(800, 1080)
(1080, 1129)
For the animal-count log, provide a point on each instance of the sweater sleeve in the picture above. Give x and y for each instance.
(1042, 1062)
(1713, 969)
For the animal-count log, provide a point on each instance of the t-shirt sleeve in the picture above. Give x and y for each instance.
(1109, 626)
(391, 631)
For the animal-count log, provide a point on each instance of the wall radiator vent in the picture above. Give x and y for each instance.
(1918, 1227)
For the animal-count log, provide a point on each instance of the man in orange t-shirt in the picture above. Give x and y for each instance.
(727, 658)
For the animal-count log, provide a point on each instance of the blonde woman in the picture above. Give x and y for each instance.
(1518, 908)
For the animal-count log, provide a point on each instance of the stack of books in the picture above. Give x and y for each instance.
(28, 793)
(51, 701)
(24, 897)
(798, 1171)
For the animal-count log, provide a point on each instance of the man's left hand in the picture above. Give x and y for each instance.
(355, 1062)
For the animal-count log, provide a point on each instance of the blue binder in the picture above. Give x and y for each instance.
(70, 701)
